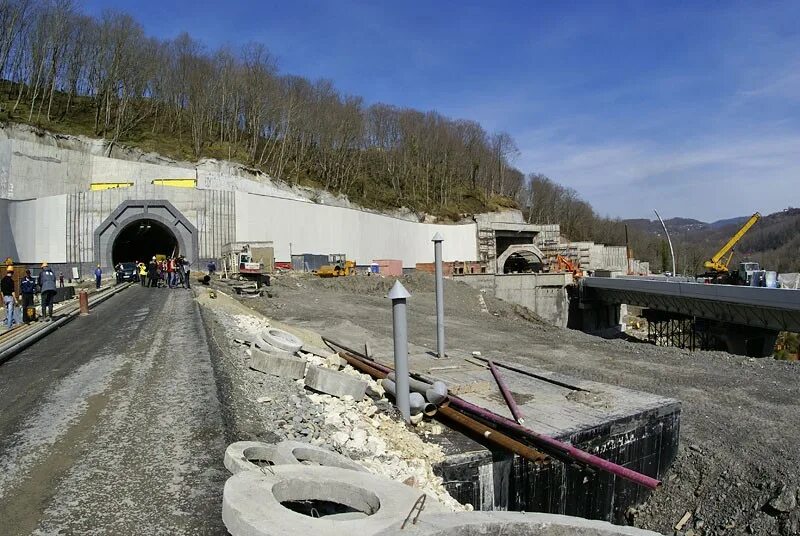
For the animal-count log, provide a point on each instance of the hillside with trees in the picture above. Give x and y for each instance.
(104, 77)
(67, 72)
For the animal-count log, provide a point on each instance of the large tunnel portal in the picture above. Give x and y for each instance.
(141, 240)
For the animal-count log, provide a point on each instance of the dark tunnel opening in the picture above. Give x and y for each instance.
(141, 240)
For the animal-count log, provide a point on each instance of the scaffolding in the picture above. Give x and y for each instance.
(679, 331)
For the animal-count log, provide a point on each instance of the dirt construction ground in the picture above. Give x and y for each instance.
(738, 467)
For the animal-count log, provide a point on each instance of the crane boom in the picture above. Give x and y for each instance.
(716, 263)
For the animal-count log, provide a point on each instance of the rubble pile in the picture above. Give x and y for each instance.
(368, 431)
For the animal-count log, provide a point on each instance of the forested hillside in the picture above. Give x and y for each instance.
(69, 72)
(774, 241)
(64, 71)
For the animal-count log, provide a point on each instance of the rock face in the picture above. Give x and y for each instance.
(784, 501)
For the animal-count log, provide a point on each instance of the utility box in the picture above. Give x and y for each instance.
(390, 267)
(309, 262)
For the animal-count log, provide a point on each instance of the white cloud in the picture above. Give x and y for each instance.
(708, 179)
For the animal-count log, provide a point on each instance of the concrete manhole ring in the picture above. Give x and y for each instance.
(299, 499)
(510, 524)
(281, 339)
(248, 456)
(297, 452)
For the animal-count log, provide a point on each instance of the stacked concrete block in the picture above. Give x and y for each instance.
(335, 383)
(278, 363)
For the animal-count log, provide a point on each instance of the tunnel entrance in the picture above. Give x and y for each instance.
(140, 240)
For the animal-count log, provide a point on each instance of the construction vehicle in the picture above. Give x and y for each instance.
(565, 264)
(243, 262)
(337, 269)
(717, 268)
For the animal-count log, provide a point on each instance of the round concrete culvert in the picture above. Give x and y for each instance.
(248, 456)
(298, 499)
(282, 340)
(297, 452)
(509, 524)
(304, 498)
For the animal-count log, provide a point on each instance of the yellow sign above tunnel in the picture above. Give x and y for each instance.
(176, 183)
(97, 186)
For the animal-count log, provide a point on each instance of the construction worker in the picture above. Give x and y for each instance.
(152, 272)
(9, 295)
(142, 267)
(27, 288)
(98, 274)
(47, 284)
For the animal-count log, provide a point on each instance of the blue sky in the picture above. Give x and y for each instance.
(692, 108)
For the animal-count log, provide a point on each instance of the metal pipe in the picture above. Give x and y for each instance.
(491, 435)
(437, 254)
(554, 444)
(416, 401)
(398, 295)
(669, 240)
(509, 398)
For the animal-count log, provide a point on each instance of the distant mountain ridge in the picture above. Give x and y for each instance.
(774, 241)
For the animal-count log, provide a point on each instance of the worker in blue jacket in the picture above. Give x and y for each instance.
(98, 274)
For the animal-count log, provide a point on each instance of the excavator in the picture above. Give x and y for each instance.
(565, 264)
(717, 268)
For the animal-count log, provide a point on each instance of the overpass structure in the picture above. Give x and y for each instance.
(742, 320)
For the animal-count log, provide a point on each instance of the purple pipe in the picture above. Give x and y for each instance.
(565, 448)
(510, 402)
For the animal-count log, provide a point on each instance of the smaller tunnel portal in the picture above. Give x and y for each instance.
(141, 240)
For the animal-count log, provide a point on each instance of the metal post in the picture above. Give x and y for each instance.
(669, 241)
(437, 253)
(398, 295)
(83, 302)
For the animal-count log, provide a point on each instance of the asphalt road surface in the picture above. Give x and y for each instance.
(111, 425)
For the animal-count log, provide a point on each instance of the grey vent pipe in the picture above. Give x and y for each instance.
(435, 393)
(415, 400)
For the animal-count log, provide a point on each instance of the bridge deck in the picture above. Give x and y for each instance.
(769, 308)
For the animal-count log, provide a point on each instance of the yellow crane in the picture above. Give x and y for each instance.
(716, 264)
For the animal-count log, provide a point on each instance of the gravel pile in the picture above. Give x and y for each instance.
(269, 408)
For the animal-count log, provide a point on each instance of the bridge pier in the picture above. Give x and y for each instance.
(596, 318)
(752, 342)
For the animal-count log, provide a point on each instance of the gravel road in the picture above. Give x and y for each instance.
(111, 425)
(738, 469)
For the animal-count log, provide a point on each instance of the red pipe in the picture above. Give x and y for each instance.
(510, 402)
(565, 448)
(559, 446)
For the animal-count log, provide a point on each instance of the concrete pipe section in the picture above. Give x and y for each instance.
(248, 456)
(282, 340)
(296, 499)
(254, 456)
(297, 452)
(507, 524)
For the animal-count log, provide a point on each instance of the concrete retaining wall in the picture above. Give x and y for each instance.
(38, 228)
(8, 247)
(544, 294)
(363, 236)
(49, 211)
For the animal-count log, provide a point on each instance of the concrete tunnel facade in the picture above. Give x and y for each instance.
(53, 209)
